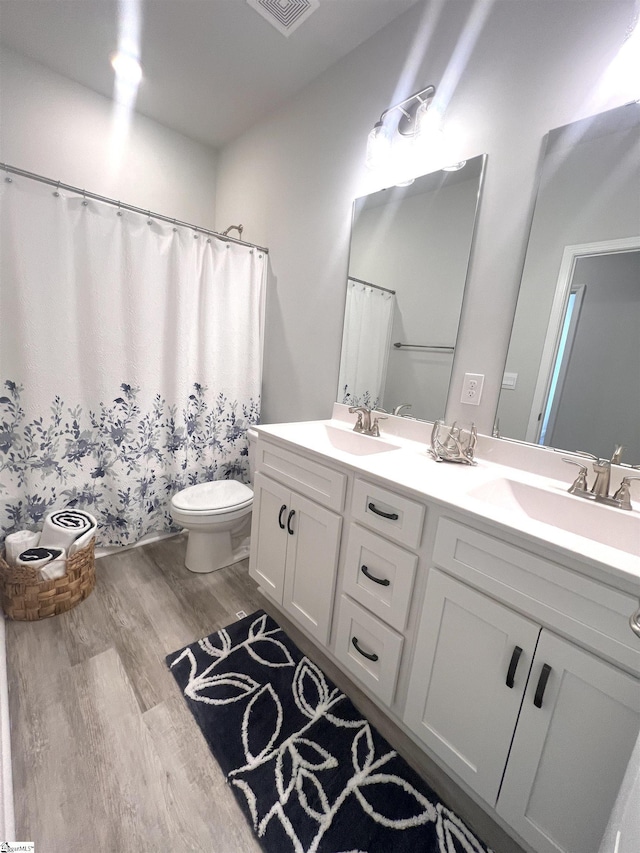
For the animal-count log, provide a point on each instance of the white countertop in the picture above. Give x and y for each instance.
(484, 492)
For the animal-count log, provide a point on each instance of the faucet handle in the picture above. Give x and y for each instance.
(617, 454)
(579, 485)
(375, 429)
(623, 495)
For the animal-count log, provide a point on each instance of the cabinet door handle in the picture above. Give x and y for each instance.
(392, 516)
(354, 642)
(280, 521)
(382, 581)
(289, 517)
(513, 665)
(542, 683)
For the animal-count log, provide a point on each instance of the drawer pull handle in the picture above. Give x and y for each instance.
(634, 622)
(280, 521)
(382, 581)
(542, 683)
(513, 665)
(392, 516)
(354, 642)
(289, 517)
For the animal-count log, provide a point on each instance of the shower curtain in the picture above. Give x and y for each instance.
(130, 360)
(365, 344)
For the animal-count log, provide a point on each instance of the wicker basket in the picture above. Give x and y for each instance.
(26, 597)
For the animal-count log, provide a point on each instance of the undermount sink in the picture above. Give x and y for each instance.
(356, 443)
(613, 527)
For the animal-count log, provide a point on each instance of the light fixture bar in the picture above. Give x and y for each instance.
(409, 108)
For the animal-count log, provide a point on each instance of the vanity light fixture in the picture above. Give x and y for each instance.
(403, 118)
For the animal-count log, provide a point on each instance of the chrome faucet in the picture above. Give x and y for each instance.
(398, 409)
(599, 491)
(363, 422)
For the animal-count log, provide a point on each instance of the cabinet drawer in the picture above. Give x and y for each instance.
(379, 575)
(392, 515)
(309, 478)
(369, 649)
(590, 612)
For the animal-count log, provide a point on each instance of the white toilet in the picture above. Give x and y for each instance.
(217, 515)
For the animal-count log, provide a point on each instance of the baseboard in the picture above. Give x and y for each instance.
(146, 540)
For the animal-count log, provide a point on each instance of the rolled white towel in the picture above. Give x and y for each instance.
(82, 541)
(62, 527)
(36, 558)
(56, 568)
(17, 542)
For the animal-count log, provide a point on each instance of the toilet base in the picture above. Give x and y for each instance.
(209, 552)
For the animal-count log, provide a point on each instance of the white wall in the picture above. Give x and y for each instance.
(508, 78)
(59, 129)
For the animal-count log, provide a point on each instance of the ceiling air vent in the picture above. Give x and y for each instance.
(285, 15)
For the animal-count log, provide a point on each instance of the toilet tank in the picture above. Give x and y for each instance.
(252, 435)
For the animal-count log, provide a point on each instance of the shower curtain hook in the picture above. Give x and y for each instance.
(195, 236)
(84, 198)
(119, 211)
(56, 192)
(149, 220)
(6, 176)
(174, 225)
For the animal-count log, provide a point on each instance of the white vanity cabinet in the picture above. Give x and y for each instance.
(378, 580)
(570, 749)
(506, 654)
(468, 679)
(294, 540)
(540, 727)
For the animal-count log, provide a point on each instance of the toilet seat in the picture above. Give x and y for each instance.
(214, 497)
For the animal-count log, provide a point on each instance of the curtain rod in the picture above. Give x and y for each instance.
(120, 204)
(368, 284)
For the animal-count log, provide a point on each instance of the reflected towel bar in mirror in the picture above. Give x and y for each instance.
(400, 345)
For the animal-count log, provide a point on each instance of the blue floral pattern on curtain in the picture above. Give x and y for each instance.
(73, 457)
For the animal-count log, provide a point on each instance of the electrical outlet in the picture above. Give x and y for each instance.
(472, 388)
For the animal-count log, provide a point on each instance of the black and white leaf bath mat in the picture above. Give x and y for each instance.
(311, 775)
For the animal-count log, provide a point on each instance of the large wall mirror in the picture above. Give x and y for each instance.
(572, 376)
(410, 248)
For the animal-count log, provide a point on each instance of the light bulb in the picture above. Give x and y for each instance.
(127, 68)
(378, 146)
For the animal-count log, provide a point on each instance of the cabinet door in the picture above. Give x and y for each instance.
(269, 536)
(569, 756)
(460, 702)
(313, 535)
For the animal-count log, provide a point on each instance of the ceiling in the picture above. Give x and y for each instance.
(212, 68)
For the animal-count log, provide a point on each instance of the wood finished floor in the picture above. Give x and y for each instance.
(106, 755)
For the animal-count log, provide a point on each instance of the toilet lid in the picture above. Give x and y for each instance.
(214, 496)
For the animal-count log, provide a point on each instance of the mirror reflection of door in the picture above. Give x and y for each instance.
(587, 205)
(595, 379)
(564, 348)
